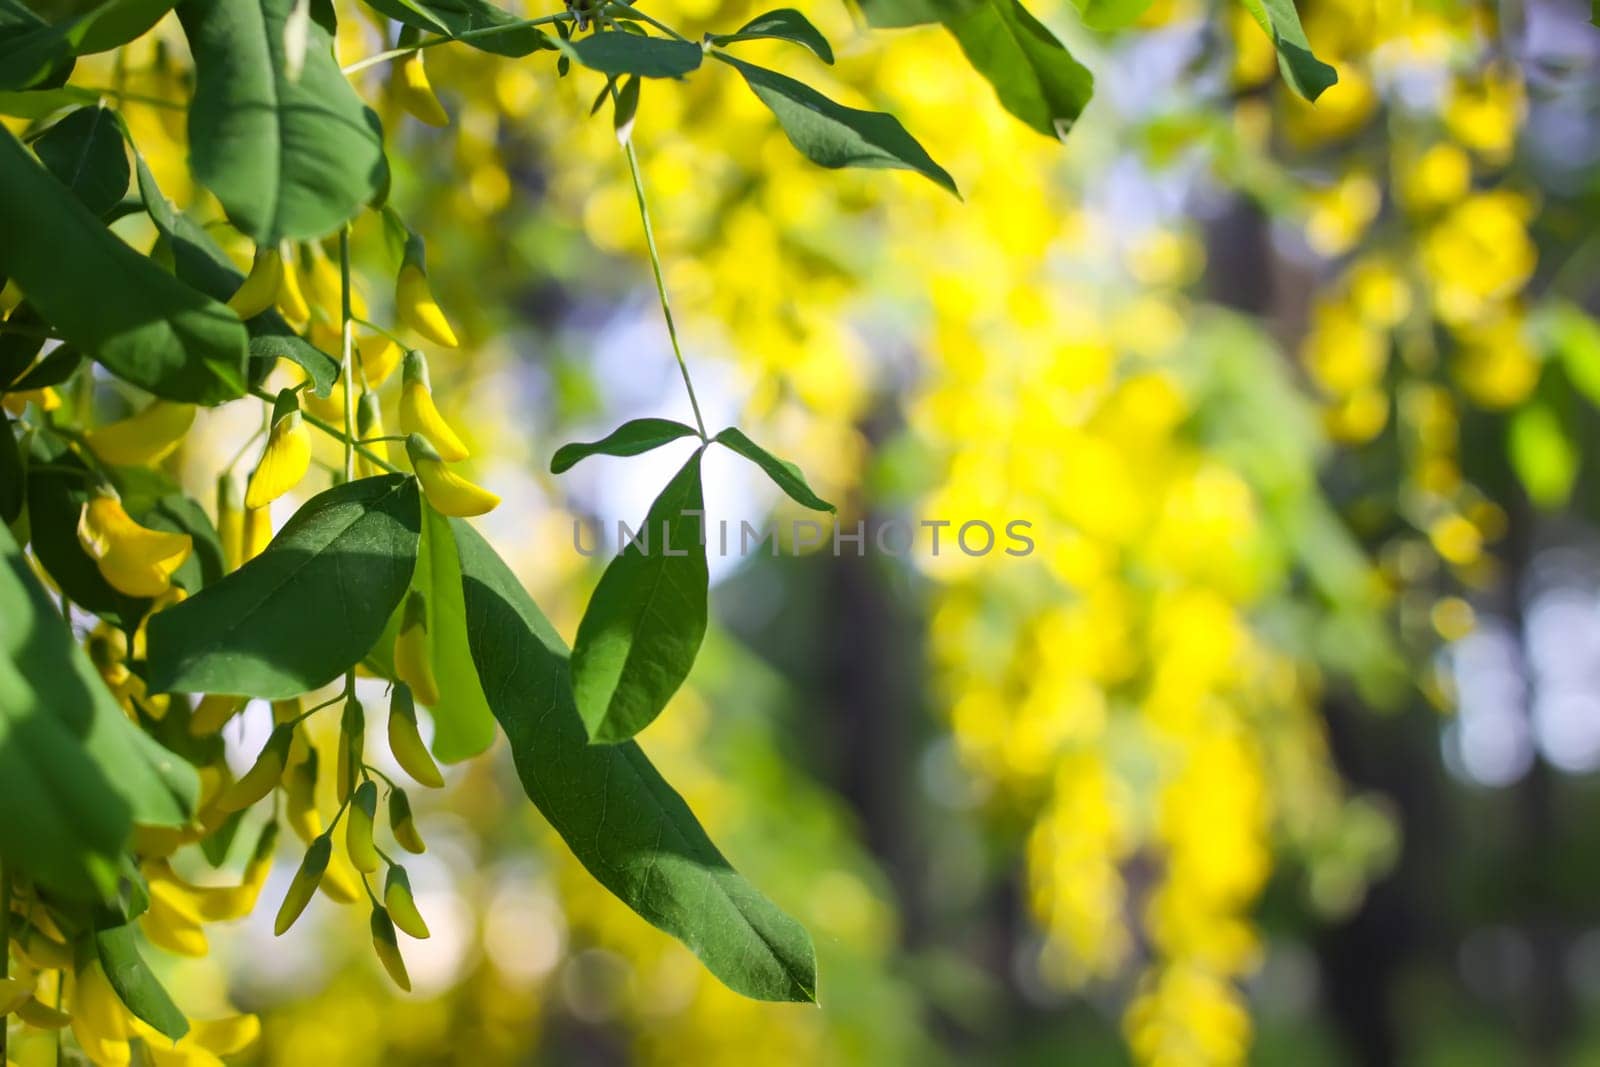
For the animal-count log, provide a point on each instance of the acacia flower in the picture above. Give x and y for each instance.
(369, 424)
(148, 436)
(415, 94)
(134, 559)
(401, 904)
(388, 948)
(413, 660)
(259, 291)
(419, 414)
(413, 300)
(402, 825)
(404, 739)
(291, 298)
(287, 456)
(447, 492)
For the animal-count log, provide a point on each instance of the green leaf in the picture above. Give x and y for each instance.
(11, 473)
(647, 617)
(474, 22)
(783, 473)
(114, 24)
(1108, 15)
(895, 14)
(85, 151)
(306, 609)
(463, 725)
(1543, 454)
(614, 52)
(1574, 338)
(1033, 74)
(119, 308)
(629, 439)
(179, 514)
(77, 773)
(38, 103)
(832, 135)
(1305, 73)
(138, 989)
(623, 822)
(56, 367)
(784, 24)
(288, 158)
(33, 53)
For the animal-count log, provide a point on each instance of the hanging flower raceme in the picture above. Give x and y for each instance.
(413, 300)
(409, 83)
(147, 437)
(447, 492)
(287, 456)
(419, 414)
(261, 286)
(134, 559)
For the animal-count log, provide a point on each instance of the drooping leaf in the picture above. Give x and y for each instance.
(78, 774)
(85, 151)
(832, 135)
(784, 24)
(784, 474)
(135, 985)
(475, 22)
(463, 724)
(116, 306)
(288, 158)
(1305, 73)
(615, 52)
(623, 822)
(630, 439)
(644, 623)
(1033, 74)
(303, 611)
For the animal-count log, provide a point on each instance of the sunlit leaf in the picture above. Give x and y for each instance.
(615, 52)
(630, 439)
(1305, 73)
(784, 474)
(784, 24)
(1033, 74)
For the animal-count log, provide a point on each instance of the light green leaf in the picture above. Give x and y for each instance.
(647, 617)
(1305, 73)
(116, 306)
(1111, 14)
(288, 158)
(894, 14)
(463, 725)
(1574, 337)
(85, 152)
(77, 773)
(1033, 74)
(783, 473)
(625, 824)
(784, 24)
(306, 609)
(135, 985)
(616, 53)
(832, 135)
(474, 22)
(38, 103)
(630, 439)
(1543, 454)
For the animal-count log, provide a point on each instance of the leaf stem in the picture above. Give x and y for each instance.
(312, 420)
(470, 35)
(661, 285)
(633, 12)
(348, 330)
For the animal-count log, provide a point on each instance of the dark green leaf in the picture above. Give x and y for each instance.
(56, 367)
(287, 158)
(624, 823)
(135, 985)
(179, 514)
(615, 52)
(22, 335)
(111, 25)
(475, 22)
(1035, 77)
(643, 627)
(303, 611)
(33, 53)
(832, 135)
(1305, 73)
(783, 473)
(85, 151)
(11, 472)
(77, 773)
(893, 14)
(116, 306)
(629, 439)
(463, 725)
(784, 24)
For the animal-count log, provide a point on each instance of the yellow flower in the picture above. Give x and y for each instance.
(401, 904)
(207, 1041)
(287, 456)
(99, 1021)
(369, 424)
(1479, 254)
(376, 368)
(447, 492)
(413, 301)
(1436, 179)
(134, 559)
(291, 298)
(259, 291)
(404, 740)
(415, 94)
(419, 414)
(1340, 215)
(1485, 116)
(146, 437)
(1359, 417)
(413, 661)
(257, 533)
(16, 403)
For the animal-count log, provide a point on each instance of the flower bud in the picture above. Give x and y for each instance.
(305, 883)
(402, 824)
(262, 776)
(358, 827)
(352, 737)
(413, 301)
(388, 948)
(406, 742)
(419, 414)
(402, 906)
(413, 658)
(287, 456)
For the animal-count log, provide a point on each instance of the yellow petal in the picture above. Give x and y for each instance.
(379, 358)
(416, 308)
(147, 437)
(419, 415)
(260, 288)
(257, 533)
(413, 660)
(99, 1021)
(133, 559)
(170, 924)
(291, 298)
(415, 94)
(283, 464)
(451, 494)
